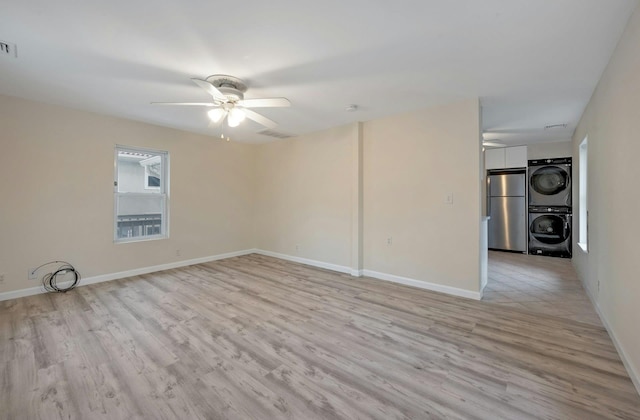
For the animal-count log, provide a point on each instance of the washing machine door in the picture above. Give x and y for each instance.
(550, 186)
(550, 229)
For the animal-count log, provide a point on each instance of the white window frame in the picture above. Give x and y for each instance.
(583, 185)
(163, 190)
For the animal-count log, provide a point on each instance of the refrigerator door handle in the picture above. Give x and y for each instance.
(488, 196)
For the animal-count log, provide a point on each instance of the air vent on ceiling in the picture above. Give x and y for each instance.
(552, 126)
(276, 134)
(8, 49)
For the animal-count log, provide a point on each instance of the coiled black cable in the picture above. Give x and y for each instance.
(50, 280)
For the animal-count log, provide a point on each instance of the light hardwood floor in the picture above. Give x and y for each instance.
(257, 338)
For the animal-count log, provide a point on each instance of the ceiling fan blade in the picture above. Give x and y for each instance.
(265, 103)
(260, 119)
(492, 144)
(212, 90)
(512, 131)
(185, 103)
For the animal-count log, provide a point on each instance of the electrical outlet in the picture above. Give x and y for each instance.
(448, 199)
(1, 278)
(297, 247)
(32, 274)
(598, 285)
(389, 241)
(178, 252)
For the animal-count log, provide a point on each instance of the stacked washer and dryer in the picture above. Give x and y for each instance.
(550, 207)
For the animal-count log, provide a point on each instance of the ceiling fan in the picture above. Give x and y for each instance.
(494, 137)
(228, 101)
(496, 143)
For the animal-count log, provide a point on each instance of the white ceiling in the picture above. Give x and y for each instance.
(532, 62)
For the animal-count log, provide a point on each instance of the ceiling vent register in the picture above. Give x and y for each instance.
(554, 126)
(276, 134)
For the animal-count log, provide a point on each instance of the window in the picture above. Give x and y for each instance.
(141, 199)
(583, 216)
(152, 167)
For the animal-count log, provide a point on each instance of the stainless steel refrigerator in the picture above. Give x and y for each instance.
(507, 208)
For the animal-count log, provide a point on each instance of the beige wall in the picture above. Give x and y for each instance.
(56, 187)
(340, 194)
(411, 162)
(337, 194)
(305, 196)
(612, 123)
(549, 150)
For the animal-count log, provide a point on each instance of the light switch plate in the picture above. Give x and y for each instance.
(448, 198)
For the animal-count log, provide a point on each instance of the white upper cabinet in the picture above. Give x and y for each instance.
(494, 158)
(515, 157)
(506, 157)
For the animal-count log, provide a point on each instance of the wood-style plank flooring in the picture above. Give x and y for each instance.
(254, 337)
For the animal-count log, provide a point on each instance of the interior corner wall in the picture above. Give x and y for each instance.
(305, 196)
(56, 187)
(411, 163)
(612, 123)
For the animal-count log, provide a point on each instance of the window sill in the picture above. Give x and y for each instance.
(140, 239)
(583, 247)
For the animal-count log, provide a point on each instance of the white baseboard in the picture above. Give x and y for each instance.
(634, 374)
(380, 276)
(123, 274)
(335, 267)
(482, 286)
(314, 263)
(424, 285)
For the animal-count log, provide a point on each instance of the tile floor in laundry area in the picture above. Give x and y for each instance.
(540, 284)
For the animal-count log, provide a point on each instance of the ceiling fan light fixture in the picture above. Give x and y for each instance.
(216, 114)
(236, 116)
